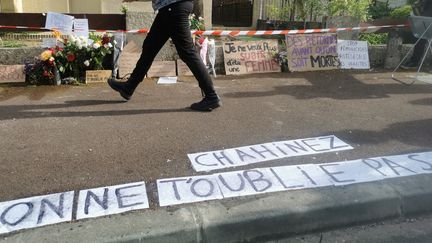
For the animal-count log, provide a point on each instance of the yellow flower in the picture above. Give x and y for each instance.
(46, 55)
(56, 34)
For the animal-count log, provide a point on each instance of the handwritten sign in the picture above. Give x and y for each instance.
(232, 157)
(81, 27)
(353, 54)
(162, 69)
(176, 191)
(97, 76)
(12, 73)
(109, 200)
(243, 57)
(35, 212)
(312, 52)
(60, 22)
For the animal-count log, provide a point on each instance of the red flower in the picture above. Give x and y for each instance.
(71, 57)
(105, 40)
(45, 73)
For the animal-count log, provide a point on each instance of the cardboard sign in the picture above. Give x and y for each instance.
(183, 69)
(97, 76)
(128, 58)
(312, 52)
(353, 54)
(12, 73)
(241, 57)
(162, 69)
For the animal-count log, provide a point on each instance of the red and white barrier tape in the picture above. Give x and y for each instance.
(238, 32)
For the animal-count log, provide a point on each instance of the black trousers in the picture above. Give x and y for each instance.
(173, 21)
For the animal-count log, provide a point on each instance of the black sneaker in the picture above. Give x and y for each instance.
(207, 104)
(124, 88)
(409, 65)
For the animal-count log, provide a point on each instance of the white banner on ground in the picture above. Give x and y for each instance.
(35, 211)
(256, 181)
(188, 189)
(233, 157)
(111, 200)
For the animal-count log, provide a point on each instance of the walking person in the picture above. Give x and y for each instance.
(420, 8)
(172, 21)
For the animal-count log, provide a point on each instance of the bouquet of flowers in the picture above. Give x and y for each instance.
(196, 23)
(71, 58)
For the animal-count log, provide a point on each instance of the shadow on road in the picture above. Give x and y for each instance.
(415, 133)
(42, 111)
(341, 87)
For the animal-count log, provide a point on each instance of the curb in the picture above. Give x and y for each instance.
(251, 218)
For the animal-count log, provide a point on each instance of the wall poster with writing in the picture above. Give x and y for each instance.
(241, 57)
(312, 52)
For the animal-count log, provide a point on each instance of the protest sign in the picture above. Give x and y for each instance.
(312, 52)
(353, 54)
(241, 57)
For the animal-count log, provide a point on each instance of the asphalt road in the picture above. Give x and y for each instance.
(56, 139)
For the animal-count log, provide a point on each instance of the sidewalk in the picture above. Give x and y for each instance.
(58, 139)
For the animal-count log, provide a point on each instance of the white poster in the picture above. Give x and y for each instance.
(111, 200)
(353, 54)
(245, 155)
(34, 212)
(60, 22)
(81, 27)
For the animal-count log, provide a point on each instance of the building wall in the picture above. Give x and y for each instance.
(11, 6)
(85, 6)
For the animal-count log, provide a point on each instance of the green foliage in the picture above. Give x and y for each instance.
(354, 8)
(401, 12)
(124, 9)
(11, 44)
(279, 13)
(379, 10)
(374, 39)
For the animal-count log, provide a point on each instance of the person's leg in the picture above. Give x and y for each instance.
(181, 35)
(154, 41)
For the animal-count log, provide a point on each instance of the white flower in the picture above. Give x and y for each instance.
(96, 45)
(72, 38)
(87, 63)
(52, 59)
(115, 42)
(110, 45)
(200, 18)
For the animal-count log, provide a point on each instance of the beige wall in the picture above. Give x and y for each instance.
(85, 6)
(114, 6)
(11, 6)
(35, 6)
